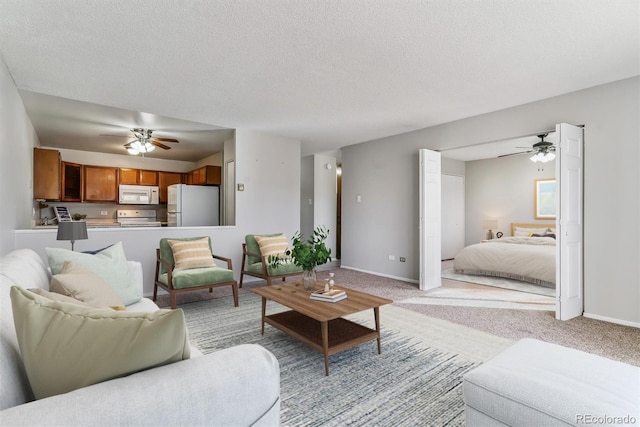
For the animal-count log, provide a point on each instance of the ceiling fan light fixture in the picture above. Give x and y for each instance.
(148, 147)
(133, 151)
(535, 157)
(547, 157)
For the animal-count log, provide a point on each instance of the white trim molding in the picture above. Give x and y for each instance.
(611, 320)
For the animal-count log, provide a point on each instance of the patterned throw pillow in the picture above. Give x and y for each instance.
(273, 245)
(191, 253)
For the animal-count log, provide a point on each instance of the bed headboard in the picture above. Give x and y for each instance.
(533, 226)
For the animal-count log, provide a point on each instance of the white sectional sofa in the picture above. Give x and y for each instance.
(239, 386)
(535, 383)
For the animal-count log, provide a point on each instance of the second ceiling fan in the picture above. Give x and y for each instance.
(544, 151)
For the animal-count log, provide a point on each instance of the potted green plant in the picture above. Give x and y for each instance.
(306, 254)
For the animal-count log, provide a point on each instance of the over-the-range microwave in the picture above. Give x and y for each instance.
(138, 195)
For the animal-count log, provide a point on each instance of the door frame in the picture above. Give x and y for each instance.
(426, 235)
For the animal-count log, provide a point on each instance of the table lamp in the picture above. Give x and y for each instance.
(72, 230)
(491, 224)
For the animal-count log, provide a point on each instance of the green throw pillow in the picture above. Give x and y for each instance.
(68, 346)
(109, 264)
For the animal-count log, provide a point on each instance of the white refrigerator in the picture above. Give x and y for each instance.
(192, 205)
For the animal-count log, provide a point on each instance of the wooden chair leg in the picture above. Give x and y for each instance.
(210, 290)
(172, 299)
(155, 291)
(241, 277)
(234, 287)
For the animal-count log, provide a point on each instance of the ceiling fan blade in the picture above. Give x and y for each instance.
(158, 144)
(166, 139)
(514, 154)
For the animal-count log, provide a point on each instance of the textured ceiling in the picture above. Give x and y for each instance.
(330, 73)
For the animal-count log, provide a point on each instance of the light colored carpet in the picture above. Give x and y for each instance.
(423, 360)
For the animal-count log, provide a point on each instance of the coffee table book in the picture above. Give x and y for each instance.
(332, 296)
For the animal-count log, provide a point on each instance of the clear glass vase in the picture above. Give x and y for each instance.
(309, 279)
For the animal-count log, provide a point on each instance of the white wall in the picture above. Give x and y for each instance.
(384, 172)
(502, 189)
(17, 139)
(325, 197)
(307, 196)
(318, 197)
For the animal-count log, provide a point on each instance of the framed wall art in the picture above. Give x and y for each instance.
(545, 198)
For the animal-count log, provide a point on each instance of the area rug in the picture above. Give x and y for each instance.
(484, 296)
(415, 381)
(498, 283)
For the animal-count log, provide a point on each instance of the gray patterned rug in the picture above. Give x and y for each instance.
(415, 381)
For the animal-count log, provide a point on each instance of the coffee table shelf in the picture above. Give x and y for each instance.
(342, 333)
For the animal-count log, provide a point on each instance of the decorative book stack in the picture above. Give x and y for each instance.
(332, 295)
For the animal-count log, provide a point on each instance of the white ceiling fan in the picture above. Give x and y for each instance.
(144, 142)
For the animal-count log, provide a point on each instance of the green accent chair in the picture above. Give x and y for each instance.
(193, 279)
(254, 264)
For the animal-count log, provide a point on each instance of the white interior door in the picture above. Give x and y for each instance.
(430, 225)
(452, 217)
(569, 278)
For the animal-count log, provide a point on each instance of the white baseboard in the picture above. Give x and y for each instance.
(611, 320)
(375, 273)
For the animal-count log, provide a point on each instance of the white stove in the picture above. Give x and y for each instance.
(138, 218)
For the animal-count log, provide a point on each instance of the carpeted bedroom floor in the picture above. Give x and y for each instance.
(610, 340)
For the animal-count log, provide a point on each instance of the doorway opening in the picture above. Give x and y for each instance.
(568, 223)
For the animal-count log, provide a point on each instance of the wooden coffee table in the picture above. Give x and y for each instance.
(320, 324)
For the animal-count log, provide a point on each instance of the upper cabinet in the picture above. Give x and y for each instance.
(138, 177)
(166, 179)
(71, 182)
(206, 175)
(100, 184)
(148, 177)
(46, 174)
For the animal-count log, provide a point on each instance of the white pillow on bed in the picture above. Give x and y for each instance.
(525, 232)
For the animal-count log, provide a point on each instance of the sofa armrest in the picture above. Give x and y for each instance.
(238, 386)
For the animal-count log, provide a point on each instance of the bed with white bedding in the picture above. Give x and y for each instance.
(529, 255)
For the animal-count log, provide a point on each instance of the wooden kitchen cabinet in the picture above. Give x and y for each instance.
(166, 179)
(138, 177)
(100, 184)
(129, 176)
(148, 177)
(46, 174)
(206, 175)
(71, 182)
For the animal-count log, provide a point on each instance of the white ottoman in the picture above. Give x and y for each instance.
(534, 383)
